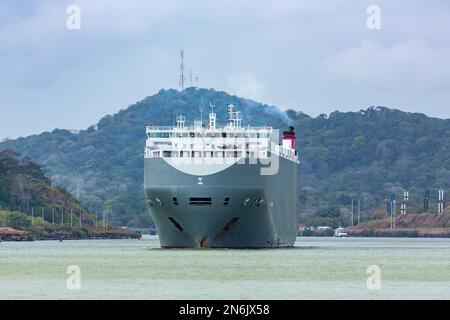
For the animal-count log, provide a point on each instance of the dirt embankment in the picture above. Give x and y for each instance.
(406, 225)
(11, 234)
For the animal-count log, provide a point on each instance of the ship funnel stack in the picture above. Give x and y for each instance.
(234, 117)
(289, 138)
(212, 117)
(181, 120)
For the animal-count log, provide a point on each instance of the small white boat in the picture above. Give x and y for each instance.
(340, 232)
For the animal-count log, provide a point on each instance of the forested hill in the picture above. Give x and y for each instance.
(367, 154)
(23, 186)
(359, 155)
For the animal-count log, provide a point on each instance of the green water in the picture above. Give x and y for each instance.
(316, 268)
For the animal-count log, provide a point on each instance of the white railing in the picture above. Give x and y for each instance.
(197, 128)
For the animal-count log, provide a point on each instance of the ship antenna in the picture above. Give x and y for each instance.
(234, 117)
(201, 110)
(181, 121)
(212, 117)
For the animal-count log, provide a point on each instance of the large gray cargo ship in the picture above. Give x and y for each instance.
(222, 187)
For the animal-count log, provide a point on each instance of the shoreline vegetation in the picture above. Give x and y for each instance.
(19, 226)
(32, 208)
(384, 233)
(52, 232)
(11, 234)
(66, 233)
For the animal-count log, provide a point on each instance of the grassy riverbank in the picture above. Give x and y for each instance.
(17, 226)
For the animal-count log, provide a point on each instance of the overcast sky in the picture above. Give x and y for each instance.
(314, 56)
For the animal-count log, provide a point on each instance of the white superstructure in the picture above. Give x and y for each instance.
(232, 141)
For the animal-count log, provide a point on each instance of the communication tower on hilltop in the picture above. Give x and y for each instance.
(181, 83)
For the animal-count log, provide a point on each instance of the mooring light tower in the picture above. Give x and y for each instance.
(405, 201)
(441, 201)
(393, 210)
(426, 200)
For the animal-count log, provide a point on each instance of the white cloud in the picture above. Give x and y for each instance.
(410, 65)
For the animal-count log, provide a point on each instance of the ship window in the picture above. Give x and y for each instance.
(200, 201)
(226, 202)
(167, 154)
(175, 201)
(191, 134)
(224, 134)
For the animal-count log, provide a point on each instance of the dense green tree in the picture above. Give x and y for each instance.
(328, 212)
(19, 220)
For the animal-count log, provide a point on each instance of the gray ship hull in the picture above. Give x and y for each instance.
(212, 211)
